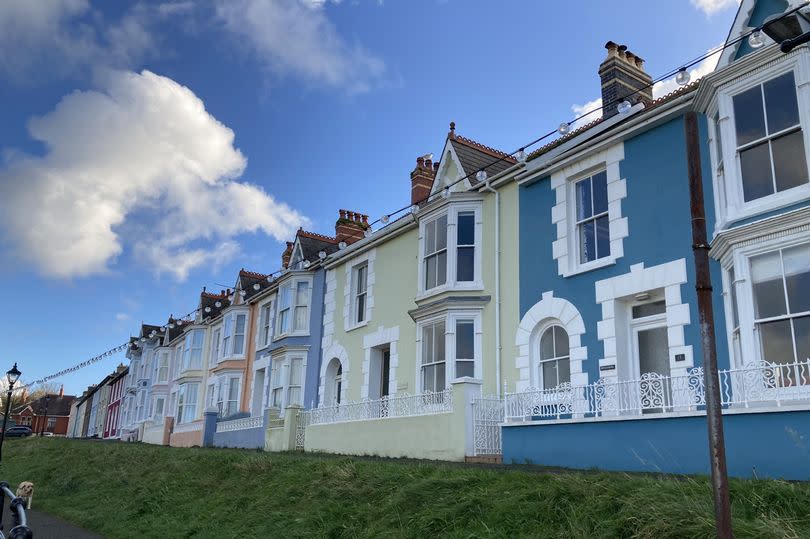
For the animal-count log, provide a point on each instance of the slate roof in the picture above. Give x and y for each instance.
(247, 280)
(207, 299)
(312, 244)
(57, 406)
(474, 156)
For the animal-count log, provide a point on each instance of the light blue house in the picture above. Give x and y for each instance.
(611, 356)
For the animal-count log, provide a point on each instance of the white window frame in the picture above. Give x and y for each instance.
(189, 350)
(222, 393)
(565, 249)
(159, 366)
(594, 217)
(229, 335)
(264, 332)
(729, 202)
(750, 345)
(292, 284)
(281, 378)
(182, 405)
(216, 344)
(158, 415)
(452, 212)
(450, 319)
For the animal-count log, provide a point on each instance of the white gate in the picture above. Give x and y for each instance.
(488, 414)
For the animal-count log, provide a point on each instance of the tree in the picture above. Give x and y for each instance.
(22, 394)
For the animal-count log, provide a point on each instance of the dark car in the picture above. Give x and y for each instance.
(19, 430)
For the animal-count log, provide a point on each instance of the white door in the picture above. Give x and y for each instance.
(650, 347)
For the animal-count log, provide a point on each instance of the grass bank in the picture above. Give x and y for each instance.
(134, 490)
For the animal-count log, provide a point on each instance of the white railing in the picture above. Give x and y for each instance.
(758, 385)
(188, 427)
(487, 414)
(240, 424)
(428, 403)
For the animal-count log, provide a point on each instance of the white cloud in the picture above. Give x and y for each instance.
(122, 317)
(294, 37)
(710, 7)
(140, 143)
(585, 108)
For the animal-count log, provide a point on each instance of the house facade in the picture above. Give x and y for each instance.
(611, 358)
(113, 416)
(49, 413)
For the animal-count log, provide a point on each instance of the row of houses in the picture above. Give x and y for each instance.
(531, 308)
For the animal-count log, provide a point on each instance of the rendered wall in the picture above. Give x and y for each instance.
(186, 439)
(153, 435)
(246, 438)
(766, 444)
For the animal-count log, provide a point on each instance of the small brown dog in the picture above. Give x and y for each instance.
(26, 492)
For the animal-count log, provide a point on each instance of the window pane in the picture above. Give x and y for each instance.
(734, 309)
(748, 116)
(427, 344)
(300, 319)
(755, 164)
(361, 308)
(547, 344)
(465, 340)
(584, 207)
(429, 378)
(766, 277)
(587, 244)
(302, 293)
(797, 277)
(465, 368)
(439, 337)
(441, 233)
(718, 138)
(233, 389)
(777, 342)
(238, 344)
(465, 268)
(801, 328)
(430, 272)
(602, 237)
(789, 161)
(361, 279)
(560, 342)
(284, 297)
(284, 321)
(780, 103)
(430, 237)
(563, 371)
(549, 369)
(600, 199)
(440, 376)
(295, 372)
(441, 268)
(466, 229)
(240, 324)
(649, 309)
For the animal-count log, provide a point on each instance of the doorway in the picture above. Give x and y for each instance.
(379, 373)
(650, 350)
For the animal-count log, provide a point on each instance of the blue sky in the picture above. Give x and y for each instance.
(148, 149)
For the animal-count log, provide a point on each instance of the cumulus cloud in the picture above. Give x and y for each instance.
(138, 143)
(294, 37)
(710, 7)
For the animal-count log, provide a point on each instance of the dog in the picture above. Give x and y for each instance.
(26, 492)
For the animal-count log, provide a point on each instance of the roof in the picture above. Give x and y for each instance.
(587, 127)
(146, 329)
(248, 281)
(209, 301)
(474, 156)
(312, 244)
(57, 406)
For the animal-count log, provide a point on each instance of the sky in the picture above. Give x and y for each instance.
(148, 149)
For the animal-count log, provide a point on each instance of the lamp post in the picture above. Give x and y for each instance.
(45, 418)
(12, 376)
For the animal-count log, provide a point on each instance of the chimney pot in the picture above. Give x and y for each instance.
(365, 219)
(420, 162)
(630, 57)
(429, 163)
(342, 214)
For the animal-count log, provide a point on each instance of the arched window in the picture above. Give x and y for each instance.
(338, 382)
(554, 364)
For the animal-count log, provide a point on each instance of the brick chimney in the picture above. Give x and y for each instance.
(285, 256)
(422, 178)
(351, 226)
(61, 391)
(622, 73)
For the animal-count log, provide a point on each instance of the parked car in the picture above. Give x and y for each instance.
(19, 431)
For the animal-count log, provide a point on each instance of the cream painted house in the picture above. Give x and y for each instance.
(414, 324)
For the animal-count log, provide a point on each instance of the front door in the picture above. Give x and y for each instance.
(650, 347)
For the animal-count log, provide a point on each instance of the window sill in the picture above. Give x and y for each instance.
(590, 266)
(230, 358)
(766, 204)
(475, 286)
(362, 324)
(293, 334)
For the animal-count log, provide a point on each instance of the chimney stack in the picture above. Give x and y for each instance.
(422, 178)
(622, 73)
(285, 256)
(351, 226)
(61, 391)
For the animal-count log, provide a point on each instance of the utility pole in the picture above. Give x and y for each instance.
(703, 286)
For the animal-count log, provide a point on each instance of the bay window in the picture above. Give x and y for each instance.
(192, 349)
(162, 368)
(287, 374)
(227, 395)
(293, 307)
(450, 245)
(233, 335)
(433, 357)
(465, 348)
(449, 349)
(187, 402)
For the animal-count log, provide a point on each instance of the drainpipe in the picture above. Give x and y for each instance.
(488, 187)
(703, 286)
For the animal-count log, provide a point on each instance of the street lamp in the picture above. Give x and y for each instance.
(45, 418)
(789, 29)
(13, 375)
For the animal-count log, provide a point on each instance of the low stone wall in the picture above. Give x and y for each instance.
(773, 444)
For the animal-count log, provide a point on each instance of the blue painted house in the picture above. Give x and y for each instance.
(610, 357)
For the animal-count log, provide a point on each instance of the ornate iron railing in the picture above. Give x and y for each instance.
(488, 414)
(20, 529)
(758, 385)
(405, 405)
(242, 423)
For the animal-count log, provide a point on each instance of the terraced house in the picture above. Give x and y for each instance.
(540, 308)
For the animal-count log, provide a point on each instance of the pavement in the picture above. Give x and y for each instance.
(45, 526)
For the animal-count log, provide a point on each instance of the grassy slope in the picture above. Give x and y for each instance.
(124, 490)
